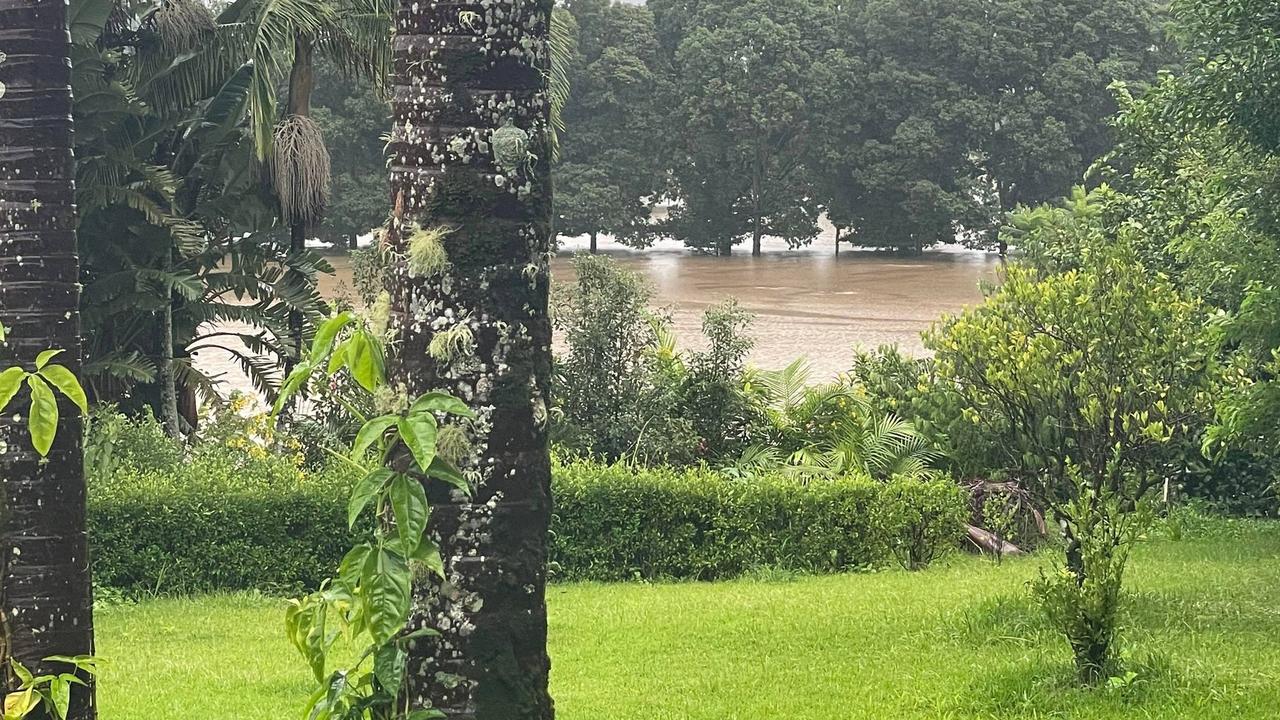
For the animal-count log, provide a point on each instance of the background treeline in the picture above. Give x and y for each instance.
(908, 122)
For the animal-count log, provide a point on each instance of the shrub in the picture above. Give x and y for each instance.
(229, 513)
(228, 518)
(1094, 380)
(921, 518)
(614, 522)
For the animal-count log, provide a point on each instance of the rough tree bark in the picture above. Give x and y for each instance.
(45, 600)
(301, 86)
(470, 159)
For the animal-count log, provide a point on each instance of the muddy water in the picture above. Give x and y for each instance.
(806, 302)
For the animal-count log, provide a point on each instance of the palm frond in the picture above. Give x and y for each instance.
(563, 43)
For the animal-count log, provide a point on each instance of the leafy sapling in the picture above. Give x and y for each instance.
(369, 599)
(47, 694)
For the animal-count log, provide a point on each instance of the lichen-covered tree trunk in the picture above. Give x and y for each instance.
(45, 599)
(471, 230)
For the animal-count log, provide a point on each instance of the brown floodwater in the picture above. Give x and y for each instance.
(805, 302)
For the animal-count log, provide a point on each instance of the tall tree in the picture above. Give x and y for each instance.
(45, 598)
(743, 120)
(353, 35)
(609, 174)
(471, 227)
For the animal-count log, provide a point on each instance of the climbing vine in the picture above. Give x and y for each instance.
(368, 602)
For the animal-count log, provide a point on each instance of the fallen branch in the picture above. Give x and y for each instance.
(987, 542)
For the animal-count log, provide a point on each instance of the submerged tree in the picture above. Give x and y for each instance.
(470, 239)
(45, 599)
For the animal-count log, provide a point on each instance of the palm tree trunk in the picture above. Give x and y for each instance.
(168, 375)
(45, 600)
(301, 85)
(470, 88)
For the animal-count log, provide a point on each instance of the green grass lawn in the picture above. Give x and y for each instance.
(957, 641)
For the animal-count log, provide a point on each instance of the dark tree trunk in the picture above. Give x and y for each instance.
(594, 248)
(469, 84)
(45, 600)
(168, 375)
(301, 86)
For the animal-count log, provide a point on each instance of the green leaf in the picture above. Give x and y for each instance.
(327, 333)
(60, 694)
(442, 469)
(353, 563)
(300, 621)
(20, 704)
(364, 360)
(441, 402)
(388, 666)
(409, 503)
(428, 553)
(3, 332)
(385, 584)
(66, 383)
(431, 714)
(43, 420)
(10, 383)
(418, 432)
(370, 433)
(301, 373)
(87, 19)
(85, 663)
(45, 356)
(364, 493)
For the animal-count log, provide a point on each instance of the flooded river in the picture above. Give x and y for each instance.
(805, 302)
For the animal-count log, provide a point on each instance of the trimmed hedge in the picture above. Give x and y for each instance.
(221, 522)
(227, 517)
(619, 523)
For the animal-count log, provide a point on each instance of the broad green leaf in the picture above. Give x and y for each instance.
(409, 503)
(364, 360)
(353, 563)
(84, 663)
(388, 666)
(442, 469)
(66, 383)
(45, 356)
(364, 493)
(10, 383)
(418, 432)
(370, 433)
(3, 332)
(300, 619)
(296, 380)
(431, 714)
(441, 402)
(385, 584)
(60, 695)
(339, 357)
(43, 420)
(327, 333)
(20, 704)
(428, 553)
(24, 675)
(419, 633)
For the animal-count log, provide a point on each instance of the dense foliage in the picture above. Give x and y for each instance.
(907, 123)
(232, 513)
